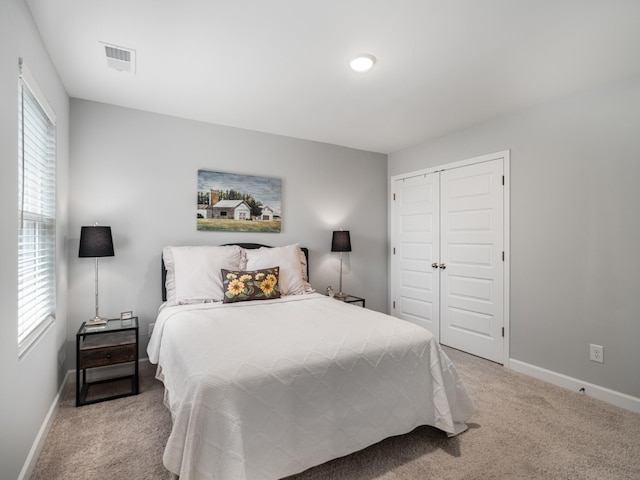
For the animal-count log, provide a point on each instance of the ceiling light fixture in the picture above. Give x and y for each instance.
(362, 62)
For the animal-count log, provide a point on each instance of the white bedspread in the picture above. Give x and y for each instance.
(266, 389)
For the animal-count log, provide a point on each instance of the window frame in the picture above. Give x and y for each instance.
(37, 211)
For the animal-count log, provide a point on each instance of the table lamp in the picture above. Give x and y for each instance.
(96, 242)
(341, 242)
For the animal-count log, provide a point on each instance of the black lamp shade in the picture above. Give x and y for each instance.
(96, 242)
(341, 241)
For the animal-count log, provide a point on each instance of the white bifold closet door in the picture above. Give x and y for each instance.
(447, 260)
(416, 239)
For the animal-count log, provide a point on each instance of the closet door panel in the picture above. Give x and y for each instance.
(415, 283)
(471, 317)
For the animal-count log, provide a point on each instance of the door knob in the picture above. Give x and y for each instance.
(434, 265)
(443, 266)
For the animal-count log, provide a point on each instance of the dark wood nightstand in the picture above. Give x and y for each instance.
(104, 345)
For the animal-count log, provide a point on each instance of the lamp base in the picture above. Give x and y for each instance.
(341, 295)
(96, 321)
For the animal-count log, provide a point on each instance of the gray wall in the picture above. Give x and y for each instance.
(29, 384)
(137, 172)
(575, 228)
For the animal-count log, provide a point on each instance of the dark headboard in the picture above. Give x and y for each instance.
(243, 245)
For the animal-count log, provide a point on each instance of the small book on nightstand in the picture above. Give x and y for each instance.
(96, 321)
(95, 328)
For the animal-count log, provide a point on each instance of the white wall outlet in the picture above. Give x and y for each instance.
(151, 326)
(596, 353)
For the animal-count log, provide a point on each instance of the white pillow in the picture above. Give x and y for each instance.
(303, 265)
(193, 273)
(304, 270)
(288, 259)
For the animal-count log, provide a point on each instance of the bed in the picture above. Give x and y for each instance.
(266, 381)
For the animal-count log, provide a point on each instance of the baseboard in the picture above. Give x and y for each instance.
(38, 443)
(613, 397)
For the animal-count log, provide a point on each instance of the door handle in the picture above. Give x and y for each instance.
(443, 266)
(434, 265)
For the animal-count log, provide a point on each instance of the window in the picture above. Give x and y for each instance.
(37, 212)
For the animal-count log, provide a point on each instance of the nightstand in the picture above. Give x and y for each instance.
(105, 345)
(351, 299)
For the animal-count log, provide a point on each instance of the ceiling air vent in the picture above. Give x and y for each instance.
(122, 59)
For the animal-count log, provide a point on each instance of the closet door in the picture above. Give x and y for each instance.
(471, 259)
(416, 248)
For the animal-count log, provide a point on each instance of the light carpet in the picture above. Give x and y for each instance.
(523, 428)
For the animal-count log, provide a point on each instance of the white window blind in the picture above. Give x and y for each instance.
(37, 212)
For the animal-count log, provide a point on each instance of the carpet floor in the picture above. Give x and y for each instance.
(523, 428)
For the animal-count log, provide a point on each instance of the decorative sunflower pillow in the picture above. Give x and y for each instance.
(240, 286)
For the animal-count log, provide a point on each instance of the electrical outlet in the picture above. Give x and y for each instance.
(596, 353)
(151, 326)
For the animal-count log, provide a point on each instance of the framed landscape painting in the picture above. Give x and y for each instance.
(238, 203)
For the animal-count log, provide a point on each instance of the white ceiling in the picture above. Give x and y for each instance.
(280, 66)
